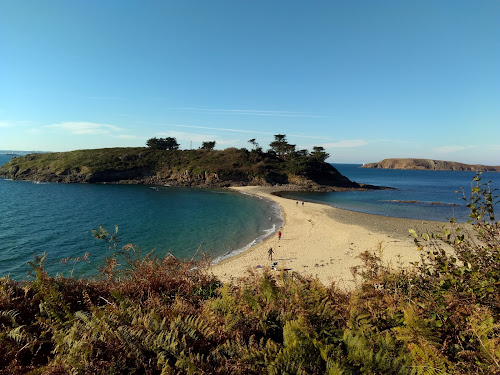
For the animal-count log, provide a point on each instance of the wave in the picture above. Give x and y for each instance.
(267, 234)
(253, 195)
(420, 202)
(276, 216)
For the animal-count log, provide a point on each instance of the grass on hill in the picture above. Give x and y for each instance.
(95, 160)
(229, 162)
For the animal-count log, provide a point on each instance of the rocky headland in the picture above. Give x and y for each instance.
(429, 164)
(197, 168)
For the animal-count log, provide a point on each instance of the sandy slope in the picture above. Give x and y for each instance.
(323, 241)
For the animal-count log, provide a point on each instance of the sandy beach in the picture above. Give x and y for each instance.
(324, 241)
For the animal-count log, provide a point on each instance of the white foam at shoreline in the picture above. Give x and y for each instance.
(276, 213)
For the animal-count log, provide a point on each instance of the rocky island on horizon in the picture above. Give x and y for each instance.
(430, 164)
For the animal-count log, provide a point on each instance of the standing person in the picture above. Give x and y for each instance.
(302, 204)
(270, 253)
(279, 235)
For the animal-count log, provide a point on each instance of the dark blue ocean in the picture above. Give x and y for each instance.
(58, 218)
(426, 195)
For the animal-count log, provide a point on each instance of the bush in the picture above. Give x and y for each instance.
(446, 310)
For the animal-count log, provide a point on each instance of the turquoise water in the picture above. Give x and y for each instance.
(435, 193)
(58, 219)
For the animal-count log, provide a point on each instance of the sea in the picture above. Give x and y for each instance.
(58, 219)
(415, 194)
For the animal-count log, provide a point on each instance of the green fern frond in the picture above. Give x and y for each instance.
(19, 335)
(415, 327)
(84, 316)
(482, 325)
(427, 360)
(268, 288)
(375, 353)
(333, 368)
(10, 315)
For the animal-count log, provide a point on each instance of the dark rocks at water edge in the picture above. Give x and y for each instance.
(429, 164)
(198, 168)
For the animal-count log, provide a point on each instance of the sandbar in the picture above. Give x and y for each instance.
(322, 241)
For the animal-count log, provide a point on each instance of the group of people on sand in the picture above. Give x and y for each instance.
(270, 252)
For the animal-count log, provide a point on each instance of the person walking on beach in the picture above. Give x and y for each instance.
(279, 235)
(270, 253)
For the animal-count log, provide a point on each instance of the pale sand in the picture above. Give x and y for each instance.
(324, 242)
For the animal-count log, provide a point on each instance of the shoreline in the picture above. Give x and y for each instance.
(323, 241)
(277, 223)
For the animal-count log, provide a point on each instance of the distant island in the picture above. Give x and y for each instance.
(203, 167)
(429, 164)
(18, 153)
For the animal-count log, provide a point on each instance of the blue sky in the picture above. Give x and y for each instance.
(367, 80)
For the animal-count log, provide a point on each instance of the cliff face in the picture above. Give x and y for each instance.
(230, 167)
(428, 164)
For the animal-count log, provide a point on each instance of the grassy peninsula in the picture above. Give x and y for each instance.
(201, 167)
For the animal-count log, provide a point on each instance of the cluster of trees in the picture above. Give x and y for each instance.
(284, 150)
(170, 143)
(279, 147)
(209, 145)
(294, 161)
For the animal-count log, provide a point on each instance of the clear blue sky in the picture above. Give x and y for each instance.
(367, 80)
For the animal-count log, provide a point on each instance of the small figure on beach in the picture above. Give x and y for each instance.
(279, 235)
(302, 203)
(270, 253)
(297, 203)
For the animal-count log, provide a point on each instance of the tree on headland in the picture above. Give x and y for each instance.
(304, 152)
(281, 147)
(256, 149)
(169, 143)
(154, 143)
(319, 154)
(209, 145)
(298, 162)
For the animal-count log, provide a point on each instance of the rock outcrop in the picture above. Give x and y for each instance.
(429, 164)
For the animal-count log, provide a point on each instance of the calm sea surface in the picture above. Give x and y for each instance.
(427, 195)
(58, 218)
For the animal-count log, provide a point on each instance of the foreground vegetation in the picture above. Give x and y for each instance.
(165, 316)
